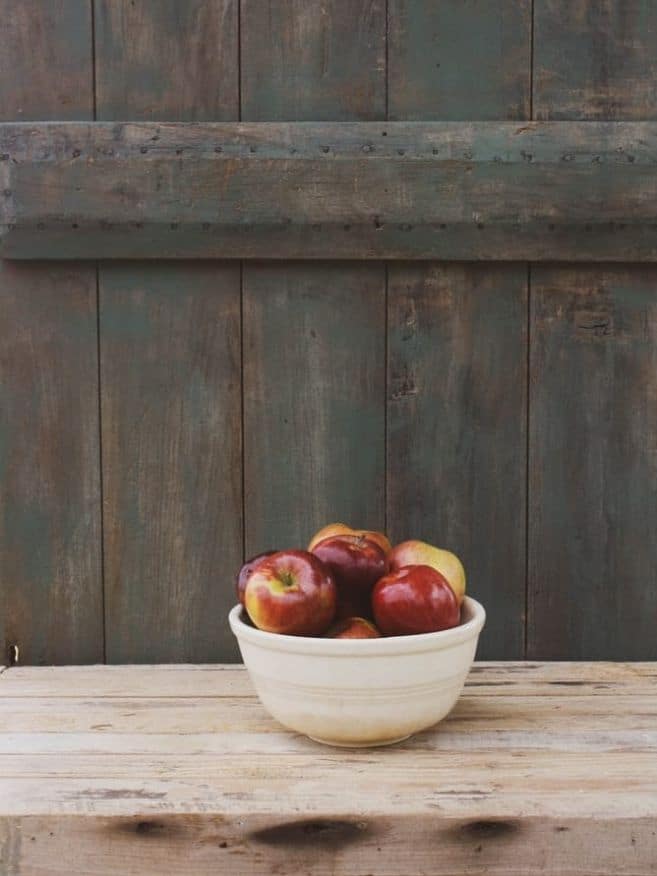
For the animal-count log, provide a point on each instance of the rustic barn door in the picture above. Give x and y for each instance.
(162, 417)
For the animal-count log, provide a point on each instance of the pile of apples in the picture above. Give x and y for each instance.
(352, 584)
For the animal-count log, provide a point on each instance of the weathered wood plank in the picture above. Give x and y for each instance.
(457, 190)
(170, 360)
(207, 844)
(50, 511)
(595, 60)
(167, 60)
(593, 476)
(46, 67)
(314, 367)
(455, 60)
(50, 572)
(509, 784)
(560, 679)
(456, 427)
(170, 369)
(456, 395)
(313, 399)
(313, 59)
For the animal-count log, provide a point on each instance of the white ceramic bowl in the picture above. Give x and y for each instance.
(360, 692)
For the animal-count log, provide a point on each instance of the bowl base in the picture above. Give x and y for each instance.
(376, 744)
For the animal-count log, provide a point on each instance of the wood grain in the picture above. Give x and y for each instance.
(456, 60)
(316, 60)
(456, 386)
(46, 67)
(314, 377)
(50, 569)
(170, 369)
(514, 782)
(50, 511)
(170, 360)
(593, 469)
(594, 348)
(167, 60)
(595, 59)
(313, 405)
(487, 190)
(456, 428)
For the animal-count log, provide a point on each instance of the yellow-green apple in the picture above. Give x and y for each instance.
(245, 571)
(291, 592)
(414, 599)
(419, 553)
(353, 628)
(356, 564)
(342, 529)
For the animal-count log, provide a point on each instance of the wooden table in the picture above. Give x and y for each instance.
(548, 768)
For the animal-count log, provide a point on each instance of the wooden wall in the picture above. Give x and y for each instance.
(160, 420)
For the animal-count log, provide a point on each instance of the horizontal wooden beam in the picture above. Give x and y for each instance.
(403, 190)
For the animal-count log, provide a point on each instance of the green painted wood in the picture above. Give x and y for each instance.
(50, 568)
(170, 365)
(50, 573)
(167, 60)
(459, 59)
(595, 59)
(457, 339)
(316, 60)
(172, 484)
(487, 190)
(314, 362)
(592, 400)
(457, 356)
(593, 463)
(46, 67)
(314, 338)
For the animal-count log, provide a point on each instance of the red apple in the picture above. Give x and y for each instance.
(342, 529)
(245, 571)
(419, 553)
(353, 628)
(415, 599)
(291, 592)
(356, 564)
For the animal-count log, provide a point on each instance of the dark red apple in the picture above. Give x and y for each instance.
(245, 571)
(353, 628)
(356, 563)
(414, 599)
(291, 592)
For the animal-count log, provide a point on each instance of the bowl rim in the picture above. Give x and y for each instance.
(362, 647)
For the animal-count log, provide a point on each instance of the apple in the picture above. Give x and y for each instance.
(245, 571)
(356, 564)
(291, 592)
(353, 628)
(414, 599)
(419, 553)
(342, 529)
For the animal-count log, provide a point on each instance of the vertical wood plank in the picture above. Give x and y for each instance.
(50, 568)
(592, 496)
(313, 376)
(170, 354)
(459, 59)
(170, 364)
(315, 350)
(595, 59)
(313, 60)
(46, 67)
(50, 576)
(456, 427)
(457, 370)
(167, 60)
(593, 481)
